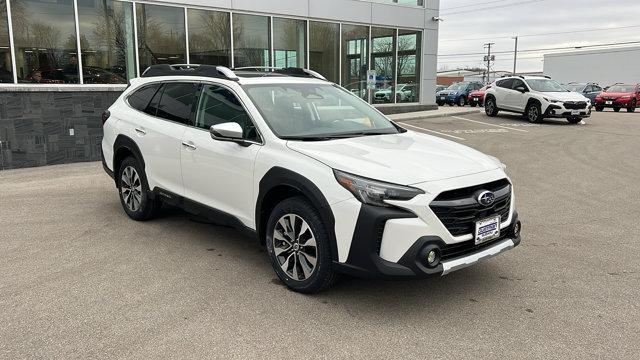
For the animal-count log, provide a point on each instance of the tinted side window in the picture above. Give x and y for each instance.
(177, 101)
(517, 83)
(505, 83)
(141, 97)
(219, 105)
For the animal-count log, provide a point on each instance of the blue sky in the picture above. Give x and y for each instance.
(466, 22)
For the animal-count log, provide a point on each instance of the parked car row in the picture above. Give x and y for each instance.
(457, 93)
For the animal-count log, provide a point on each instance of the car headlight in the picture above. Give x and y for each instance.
(374, 192)
(497, 161)
(553, 101)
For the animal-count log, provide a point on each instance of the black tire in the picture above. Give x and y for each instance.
(440, 103)
(472, 104)
(490, 107)
(144, 209)
(533, 113)
(322, 275)
(574, 120)
(599, 108)
(632, 107)
(462, 101)
(616, 109)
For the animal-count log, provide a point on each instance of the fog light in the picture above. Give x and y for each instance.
(430, 255)
(516, 228)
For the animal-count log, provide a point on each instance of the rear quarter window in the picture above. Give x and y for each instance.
(140, 98)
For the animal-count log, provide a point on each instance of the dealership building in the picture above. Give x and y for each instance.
(63, 62)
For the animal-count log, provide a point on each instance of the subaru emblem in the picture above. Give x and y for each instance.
(486, 198)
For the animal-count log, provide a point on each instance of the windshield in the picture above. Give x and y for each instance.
(458, 86)
(621, 89)
(316, 112)
(576, 88)
(545, 85)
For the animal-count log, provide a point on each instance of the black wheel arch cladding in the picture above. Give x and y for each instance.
(281, 178)
(125, 144)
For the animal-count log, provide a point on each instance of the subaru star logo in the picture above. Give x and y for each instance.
(486, 198)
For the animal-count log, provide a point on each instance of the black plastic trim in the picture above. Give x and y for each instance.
(214, 216)
(278, 177)
(104, 165)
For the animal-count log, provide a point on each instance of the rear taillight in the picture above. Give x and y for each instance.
(105, 116)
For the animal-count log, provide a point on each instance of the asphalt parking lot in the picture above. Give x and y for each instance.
(81, 280)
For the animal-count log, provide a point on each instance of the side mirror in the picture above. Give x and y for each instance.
(521, 89)
(229, 131)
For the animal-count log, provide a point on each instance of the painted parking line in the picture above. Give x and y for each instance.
(484, 123)
(476, 131)
(431, 131)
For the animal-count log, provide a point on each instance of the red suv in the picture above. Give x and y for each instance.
(619, 96)
(476, 98)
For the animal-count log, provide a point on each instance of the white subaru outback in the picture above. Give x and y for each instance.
(536, 97)
(322, 179)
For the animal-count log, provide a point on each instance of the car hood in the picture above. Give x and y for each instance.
(565, 96)
(405, 159)
(614, 95)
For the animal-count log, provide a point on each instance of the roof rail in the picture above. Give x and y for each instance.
(219, 72)
(291, 71)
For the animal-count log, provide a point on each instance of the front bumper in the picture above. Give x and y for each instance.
(559, 111)
(365, 258)
(617, 103)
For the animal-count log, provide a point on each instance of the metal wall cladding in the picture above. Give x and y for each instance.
(47, 128)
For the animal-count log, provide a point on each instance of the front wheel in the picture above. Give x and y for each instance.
(462, 101)
(599, 108)
(490, 107)
(616, 109)
(298, 245)
(632, 107)
(472, 104)
(533, 113)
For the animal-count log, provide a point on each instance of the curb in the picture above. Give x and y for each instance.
(422, 115)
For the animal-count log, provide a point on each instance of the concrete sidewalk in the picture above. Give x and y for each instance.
(442, 111)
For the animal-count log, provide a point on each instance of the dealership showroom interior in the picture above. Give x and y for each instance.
(319, 179)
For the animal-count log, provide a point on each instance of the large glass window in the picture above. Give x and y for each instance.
(324, 51)
(289, 37)
(409, 55)
(106, 40)
(250, 40)
(209, 37)
(45, 41)
(355, 51)
(383, 49)
(6, 75)
(161, 35)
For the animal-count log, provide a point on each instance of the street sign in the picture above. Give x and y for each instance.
(371, 79)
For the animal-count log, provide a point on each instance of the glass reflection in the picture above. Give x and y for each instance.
(382, 61)
(289, 37)
(324, 42)
(355, 42)
(209, 37)
(6, 75)
(409, 51)
(251, 40)
(161, 35)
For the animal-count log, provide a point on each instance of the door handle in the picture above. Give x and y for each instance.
(140, 131)
(189, 145)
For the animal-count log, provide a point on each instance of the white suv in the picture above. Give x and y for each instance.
(322, 179)
(536, 97)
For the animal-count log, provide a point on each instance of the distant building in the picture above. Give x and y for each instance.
(605, 66)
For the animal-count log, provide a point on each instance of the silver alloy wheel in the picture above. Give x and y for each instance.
(294, 245)
(489, 106)
(533, 113)
(131, 188)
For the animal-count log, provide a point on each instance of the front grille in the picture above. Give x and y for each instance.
(575, 105)
(458, 210)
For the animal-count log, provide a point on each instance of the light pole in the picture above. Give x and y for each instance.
(515, 55)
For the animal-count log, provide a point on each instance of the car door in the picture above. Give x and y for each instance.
(219, 174)
(517, 100)
(503, 87)
(158, 133)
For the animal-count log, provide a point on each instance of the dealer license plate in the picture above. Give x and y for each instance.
(475, 99)
(609, 102)
(442, 98)
(487, 229)
(575, 112)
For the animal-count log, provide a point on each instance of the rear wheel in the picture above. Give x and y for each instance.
(616, 109)
(490, 107)
(473, 104)
(462, 101)
(599, 108)
(134, 191)
(298, 245)
(533, 113)
(632, 107)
